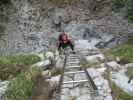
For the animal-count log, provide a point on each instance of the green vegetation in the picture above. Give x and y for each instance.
(125, 52)
(2, 30)
(120, 94)
(56, 71)
(118, 4)
(4, 7)
(3, 21)
(20, 88)
(128, 4)
(5, 2)
(10, 66)
(130, 72)
(3, 18)
(18, 69)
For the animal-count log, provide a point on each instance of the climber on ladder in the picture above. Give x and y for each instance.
(64, 41)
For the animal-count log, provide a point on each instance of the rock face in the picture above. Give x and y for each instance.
(121, 79)
(35, 25)
(101, 83)
(44, 88)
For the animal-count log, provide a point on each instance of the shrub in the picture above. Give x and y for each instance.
(23, 59)
(56, 71)
(3, 18)
(11, 66)
(20, 88)
(2, 30)
(5, 2)
(125, 52)
(129, 6)
(118, 4)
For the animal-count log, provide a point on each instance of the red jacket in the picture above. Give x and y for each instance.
(64, 38)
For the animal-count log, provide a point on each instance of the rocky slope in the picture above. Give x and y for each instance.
(35, 25)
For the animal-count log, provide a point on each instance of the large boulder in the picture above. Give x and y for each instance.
(95, 58)
(43, 64)
(114, 65)
(49, 55)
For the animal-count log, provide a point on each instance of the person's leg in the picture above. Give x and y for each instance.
(71, 45)
(59, 47)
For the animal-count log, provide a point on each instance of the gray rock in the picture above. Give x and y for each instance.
(75, 92)
(95, 58)
(43, 64)
(108, 98)
(3, 88)
(84, 97)
(114, 65)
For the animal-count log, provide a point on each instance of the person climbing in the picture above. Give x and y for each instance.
(64, 41)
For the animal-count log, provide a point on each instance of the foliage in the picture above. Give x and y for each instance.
(125, 52)
(120, 94)
(2, 29)
(118, 4)
(56, 71)
(130, 72)
(5, 2)
(130, 40)
(128, 4)
(3, 18)
(24, 59)
(10, 66)
(21, 87)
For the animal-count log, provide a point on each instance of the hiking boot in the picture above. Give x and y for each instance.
(73, 52)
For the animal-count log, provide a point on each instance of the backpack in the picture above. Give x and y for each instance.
(64, 38)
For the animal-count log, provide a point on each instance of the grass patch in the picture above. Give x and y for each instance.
(56, 71)
(120, 94)
(125, 52)
(130, 72)
(10, 66)
(2, 30)
(20, 88)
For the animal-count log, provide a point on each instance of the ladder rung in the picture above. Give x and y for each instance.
(89, 92)
(76, 72)
(73, 57)
(73, 67)
(73, 62)
(80, 81)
